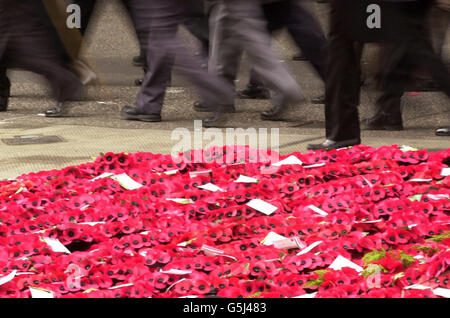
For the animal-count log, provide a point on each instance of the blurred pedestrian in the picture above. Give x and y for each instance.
(26, 42)
(403, 30)
(241, 26)
(157, 23)
(412, 50)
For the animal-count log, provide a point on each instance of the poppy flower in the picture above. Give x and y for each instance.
(183, 286)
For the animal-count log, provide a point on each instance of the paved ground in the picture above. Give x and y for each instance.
(96, 126)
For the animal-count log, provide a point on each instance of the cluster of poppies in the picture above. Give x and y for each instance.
(352, 222)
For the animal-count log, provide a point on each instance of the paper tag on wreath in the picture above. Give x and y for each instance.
(262, 206)
(211, 251)
(181, 200)
(245, 179)
(103, 175)
(290, 243)
(291, 160)
(56, 245)
(443, 292)
(41, 293)
(194, 174)
(174, 271)
(317, 165)
(272, 237)
(341, 262)
(7, 278)
(309, 248)
(420, 180)
(210, 187)
(126, 182)
(317, 210)
(445, 172)
(313, 295)
(438, 196)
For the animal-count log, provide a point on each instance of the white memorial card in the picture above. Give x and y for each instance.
(41, 293)
(317, 210)
(245, 179)
(341, 262)
(56, 245)
(309, 248)
(271, 238)
(126, 182)
(291, 160)
(7, 278)
(262, 206)
(211, 187)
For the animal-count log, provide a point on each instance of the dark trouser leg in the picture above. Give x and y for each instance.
(4, 81)
(44, 59)
(161, 18)
(197, 23)
(4, 89)
(342, 83)
(303, 27)
(225, 53)
(87, 9)
(249, 28)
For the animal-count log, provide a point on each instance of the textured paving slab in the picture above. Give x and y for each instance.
(95, 125)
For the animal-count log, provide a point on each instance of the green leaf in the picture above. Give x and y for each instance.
(316, 282)
(399, 275)
(89, 290)
(416, 197)
(374, 256)
(372, 269)
(255, 295)
(440, 237)
(407, 260)
(429, 250)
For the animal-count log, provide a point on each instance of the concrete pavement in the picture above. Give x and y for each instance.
(96, 127)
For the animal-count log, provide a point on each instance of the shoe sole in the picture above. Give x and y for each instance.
(274, 118)
(149, 120)
(388, 128)
(213, 110)
(442, 134)
(336, 146)
(218, 125)
(254, 97)
(57, 116)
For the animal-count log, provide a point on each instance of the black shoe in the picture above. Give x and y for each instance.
(139, 61)
(443, 131)
(4, 95)
(299, 57)
(200, 107)
(254, 92)
(278, 112)
(4, 103)
(219, 119)
(330, 144)
(132, 113)
(382, 122)
(139, 81)
(318, 100)
(60, 110)
(424, 86)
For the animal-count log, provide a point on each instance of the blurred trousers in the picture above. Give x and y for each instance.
(156, 24)
(27, 42)
(240, 26)
(409, 44)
